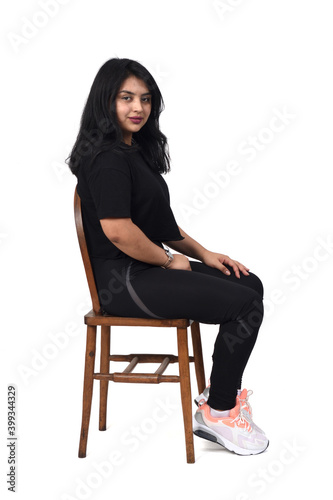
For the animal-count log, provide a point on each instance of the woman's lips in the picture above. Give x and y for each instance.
(136, 120)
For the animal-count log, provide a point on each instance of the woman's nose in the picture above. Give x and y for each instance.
(137, 105)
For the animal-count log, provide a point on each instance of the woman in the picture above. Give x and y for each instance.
(118, 158)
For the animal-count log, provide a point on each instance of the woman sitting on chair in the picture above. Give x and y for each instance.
(119, 157)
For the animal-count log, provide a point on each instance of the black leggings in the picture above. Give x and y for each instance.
(205, 294)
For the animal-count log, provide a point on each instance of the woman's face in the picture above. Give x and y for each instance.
(133, 106)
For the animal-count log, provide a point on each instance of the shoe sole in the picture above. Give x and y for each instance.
(201, 431)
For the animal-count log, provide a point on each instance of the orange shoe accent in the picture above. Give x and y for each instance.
(205, 409)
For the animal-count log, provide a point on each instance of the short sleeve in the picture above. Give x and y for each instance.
(110, 184)
(165, 189)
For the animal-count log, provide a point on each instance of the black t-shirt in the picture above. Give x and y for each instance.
(120, 183)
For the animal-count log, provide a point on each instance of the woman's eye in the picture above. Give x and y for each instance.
(128, 98)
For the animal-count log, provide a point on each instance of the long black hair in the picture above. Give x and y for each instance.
(99, 128)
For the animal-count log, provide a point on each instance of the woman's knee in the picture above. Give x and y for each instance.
(257, 285)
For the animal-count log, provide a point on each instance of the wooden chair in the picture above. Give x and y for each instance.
(97, 317)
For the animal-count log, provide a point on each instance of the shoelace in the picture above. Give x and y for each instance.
(245, 401)
(242, 420)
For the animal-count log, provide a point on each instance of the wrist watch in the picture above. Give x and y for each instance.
(170, 258)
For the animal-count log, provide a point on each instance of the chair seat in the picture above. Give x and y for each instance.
(101, 319)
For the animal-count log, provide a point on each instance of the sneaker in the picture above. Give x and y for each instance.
(235, 432)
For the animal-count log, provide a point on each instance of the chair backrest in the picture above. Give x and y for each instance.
(85, 254)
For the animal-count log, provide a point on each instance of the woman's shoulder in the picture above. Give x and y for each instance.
(108, 156)
(111, 151)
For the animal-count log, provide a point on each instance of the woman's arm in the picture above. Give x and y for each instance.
(192, 248)
(188, 247)
(129, 238)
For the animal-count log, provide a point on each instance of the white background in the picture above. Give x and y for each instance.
(224, 69)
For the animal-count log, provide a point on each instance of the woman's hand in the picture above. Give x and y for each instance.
(218, 260)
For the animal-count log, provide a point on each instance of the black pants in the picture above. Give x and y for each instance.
(133, 288)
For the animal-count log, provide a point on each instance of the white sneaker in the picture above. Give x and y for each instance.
(235, 432)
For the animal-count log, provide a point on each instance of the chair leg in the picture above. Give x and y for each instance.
(198, 360)
(87, 388)
(185, 389)
(104, 368)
